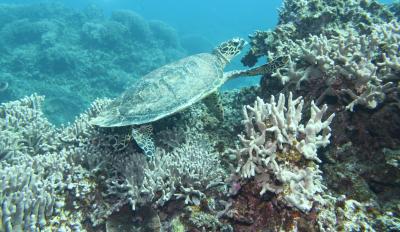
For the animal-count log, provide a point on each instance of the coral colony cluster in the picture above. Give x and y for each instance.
(315, 148)
(281, 152)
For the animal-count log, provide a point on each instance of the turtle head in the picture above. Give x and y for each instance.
(229, 49)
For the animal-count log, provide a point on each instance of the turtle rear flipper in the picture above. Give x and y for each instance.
(143, 136)
(214, 105)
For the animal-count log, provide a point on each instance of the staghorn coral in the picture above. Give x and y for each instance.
(388, 35)
(345, 54)
(96, 153)
(353, 44)
(24, 130)
(371, 97)
(276, 149)
(366, 64)
(301, 19)
(28, 200)
(34, 194)
(184, 173)
(36, 173)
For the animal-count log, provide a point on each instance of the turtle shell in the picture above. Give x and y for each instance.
(164, 91)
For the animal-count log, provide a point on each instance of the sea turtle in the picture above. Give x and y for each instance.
(172, 88)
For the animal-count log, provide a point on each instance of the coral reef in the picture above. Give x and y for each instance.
(80, 55)
(315, 148)
(302, 19)
(185, 169)
(347, 59)
(351, 59)
(93, 178)
(183, 173)
(36, 173)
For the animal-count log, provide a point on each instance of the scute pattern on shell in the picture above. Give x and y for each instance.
(165, 91)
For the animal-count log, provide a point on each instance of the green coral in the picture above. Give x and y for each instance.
(177, 225)
(392, 157)
(204, 220)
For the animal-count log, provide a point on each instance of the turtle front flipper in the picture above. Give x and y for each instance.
(214, 105)
(143, 136)
(269, 67)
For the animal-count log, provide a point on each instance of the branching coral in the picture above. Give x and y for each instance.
(352, 43)
(35, 172)
(184, 173)
(301, 19)
(24, 129)
(389, 37)
(25, 198)
(344, 53)
(368, 63)
(276, 147)
(371, 97)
